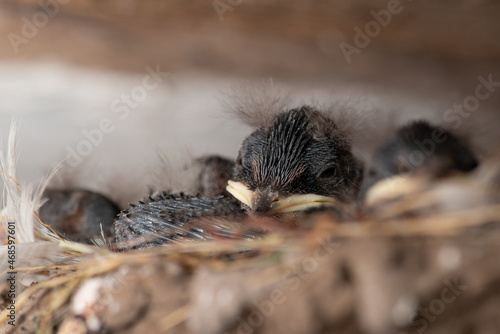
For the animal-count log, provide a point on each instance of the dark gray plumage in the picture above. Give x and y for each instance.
(169, 217)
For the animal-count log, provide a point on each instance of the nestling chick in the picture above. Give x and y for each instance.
(213, 174)
(79, 214)
(418, 149)
(301, 160)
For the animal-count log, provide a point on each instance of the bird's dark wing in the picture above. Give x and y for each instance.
(170, 217)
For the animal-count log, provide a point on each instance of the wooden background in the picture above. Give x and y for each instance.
(291, 39)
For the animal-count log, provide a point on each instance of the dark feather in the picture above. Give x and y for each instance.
(168, 217)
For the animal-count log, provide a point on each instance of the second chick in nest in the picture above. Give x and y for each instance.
(419, 150)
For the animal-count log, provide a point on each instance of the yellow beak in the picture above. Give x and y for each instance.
(291, 203)
(391, 188)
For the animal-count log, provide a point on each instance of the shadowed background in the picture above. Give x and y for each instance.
(63, 75)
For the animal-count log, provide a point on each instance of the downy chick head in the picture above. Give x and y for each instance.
(299, 160)
(418, 149)
(420, 146)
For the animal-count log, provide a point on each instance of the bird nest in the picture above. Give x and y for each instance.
(419, 255)
(411, 263)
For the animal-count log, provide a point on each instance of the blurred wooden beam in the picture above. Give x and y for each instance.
(300, 38)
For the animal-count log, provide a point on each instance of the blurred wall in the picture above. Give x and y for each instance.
(71, 67)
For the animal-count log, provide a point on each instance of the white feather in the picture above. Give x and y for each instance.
(36, 245)
(20, 202)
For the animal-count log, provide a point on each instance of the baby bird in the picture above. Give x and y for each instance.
(418, 149)
(78, 214)
(299, 160)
